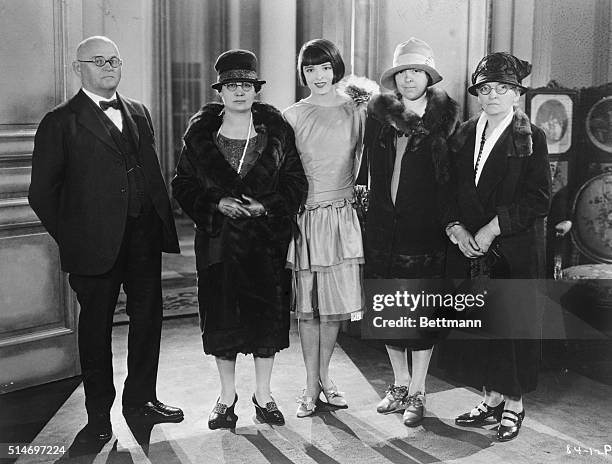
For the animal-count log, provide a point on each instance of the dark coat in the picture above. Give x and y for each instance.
(79, 186)
(397, 234)
(244, 286)
(406, 240)
(515, 185)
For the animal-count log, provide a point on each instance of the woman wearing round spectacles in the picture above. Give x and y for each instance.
(241, 181)
(503, 188)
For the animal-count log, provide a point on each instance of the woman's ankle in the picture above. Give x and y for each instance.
(492, 398)
(227, 398)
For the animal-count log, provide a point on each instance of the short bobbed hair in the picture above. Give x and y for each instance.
(319, 51)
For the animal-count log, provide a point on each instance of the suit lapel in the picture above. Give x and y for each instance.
(128, 120)
(91, 118)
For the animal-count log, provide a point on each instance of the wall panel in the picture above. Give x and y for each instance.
(37, 309)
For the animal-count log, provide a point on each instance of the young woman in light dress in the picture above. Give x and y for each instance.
(327, 255)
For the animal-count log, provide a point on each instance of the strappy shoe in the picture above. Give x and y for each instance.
(394, 400)
(509, 432)
(415, 409)
(223, 416)
(483, 412)
(270, 414)
(307, 405)
(332, 396)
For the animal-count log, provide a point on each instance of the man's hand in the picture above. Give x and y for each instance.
(232, 208)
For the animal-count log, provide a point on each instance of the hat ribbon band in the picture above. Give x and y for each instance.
(414, 58)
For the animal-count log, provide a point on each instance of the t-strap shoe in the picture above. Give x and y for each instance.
(394, 400)
(415, 409)
(223, 416)
(332, 396)
(480, 414)
(307, 405)
(269, 414)
(508, 432)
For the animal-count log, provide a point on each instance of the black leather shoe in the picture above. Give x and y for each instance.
(484, 412)
(270, 414)
(508, 432)
(223, 416)
(95, 433)
(154, 412)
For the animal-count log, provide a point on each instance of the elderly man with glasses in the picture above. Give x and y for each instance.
(98, 190)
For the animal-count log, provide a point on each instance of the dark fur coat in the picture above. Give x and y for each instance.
(244, 289)
(407, 237)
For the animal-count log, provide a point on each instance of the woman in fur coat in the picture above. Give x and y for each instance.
(241, 181)
(406, 148)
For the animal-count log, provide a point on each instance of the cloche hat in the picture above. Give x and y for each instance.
(236, 66)
(412, 54)
(500, 67)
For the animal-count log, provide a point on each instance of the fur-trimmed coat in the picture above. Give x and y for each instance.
(407, 239)
(515, 185)
(244, 289)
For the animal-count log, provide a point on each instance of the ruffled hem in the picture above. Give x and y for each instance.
(326, 268)
(330, 234)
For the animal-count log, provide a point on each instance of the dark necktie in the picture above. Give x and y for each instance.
(109, 104)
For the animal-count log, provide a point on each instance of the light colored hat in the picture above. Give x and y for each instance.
(412, 54)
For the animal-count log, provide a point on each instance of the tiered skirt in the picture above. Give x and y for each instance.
(327, 258)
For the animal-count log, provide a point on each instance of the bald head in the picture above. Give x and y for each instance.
(88, 47)
(101, 80)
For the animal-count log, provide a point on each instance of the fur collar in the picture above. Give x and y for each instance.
(208, 119)
(441, 113)
(521, 134)
(199, 138)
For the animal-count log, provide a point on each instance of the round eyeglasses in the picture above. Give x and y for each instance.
(100, 61)
(500, 89)
(245, 86)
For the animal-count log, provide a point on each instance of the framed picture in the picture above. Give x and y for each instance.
(599, 124)
(552, 110)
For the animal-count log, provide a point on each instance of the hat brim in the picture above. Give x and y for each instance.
(219, 84)
(387, 80)
(473, 88)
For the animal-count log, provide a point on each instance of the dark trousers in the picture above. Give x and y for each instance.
(138, 269)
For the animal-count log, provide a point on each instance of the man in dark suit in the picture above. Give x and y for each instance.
(98, 190)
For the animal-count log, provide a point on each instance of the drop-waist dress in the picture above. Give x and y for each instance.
(326, 257)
